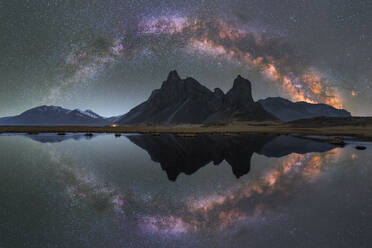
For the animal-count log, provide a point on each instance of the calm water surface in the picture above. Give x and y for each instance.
(169, 191)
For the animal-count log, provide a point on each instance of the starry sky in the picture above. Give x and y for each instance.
(109, 55)
(107, 192)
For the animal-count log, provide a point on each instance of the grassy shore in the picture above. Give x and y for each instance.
(276, 128)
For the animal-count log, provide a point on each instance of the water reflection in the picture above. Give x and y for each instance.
(179, 154)
(188, 154)
(106, 192)
(56, 138)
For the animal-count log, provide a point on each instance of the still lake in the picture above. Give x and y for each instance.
(170, 191)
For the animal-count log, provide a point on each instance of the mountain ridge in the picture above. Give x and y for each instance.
(55, 115)
(186, 101)
(286, 110)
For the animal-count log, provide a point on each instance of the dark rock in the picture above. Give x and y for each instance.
(240, 94)
(173, 76)
(360, 147)
(187, 101)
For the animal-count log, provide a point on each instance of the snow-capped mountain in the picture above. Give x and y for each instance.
(55, 115)
(91, 113)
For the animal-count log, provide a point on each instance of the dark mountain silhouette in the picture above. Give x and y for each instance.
(286, 110)
(187, 101)
(187, 155)
(184, 101)
(54, 115)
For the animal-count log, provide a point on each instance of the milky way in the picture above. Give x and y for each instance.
(217, 211)
(91, 54)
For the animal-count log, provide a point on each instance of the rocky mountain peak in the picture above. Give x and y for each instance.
(241, 83)
(175, 87)
(241, 92)
(173, 80)
(173, 76)
(187, 101)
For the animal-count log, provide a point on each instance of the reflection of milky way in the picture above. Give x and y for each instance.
(83, 186)
(255, 199)
(260, 52)
(247, 202)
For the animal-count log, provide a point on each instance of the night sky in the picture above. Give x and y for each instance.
(109, 55)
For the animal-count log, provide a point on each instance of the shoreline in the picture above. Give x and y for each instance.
(355, 131)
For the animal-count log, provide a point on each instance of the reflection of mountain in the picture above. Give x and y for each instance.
(187, 155)
(54, 138)
(184, 154)
(285, 145)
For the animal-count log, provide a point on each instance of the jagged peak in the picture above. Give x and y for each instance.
(174, 82)
(241, 92)
(240, 82)
(173, 76)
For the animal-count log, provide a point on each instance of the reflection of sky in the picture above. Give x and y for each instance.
(120, 187)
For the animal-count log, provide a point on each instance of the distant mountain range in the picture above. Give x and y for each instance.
(286, 110)
(54, 115)
(184, 101)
